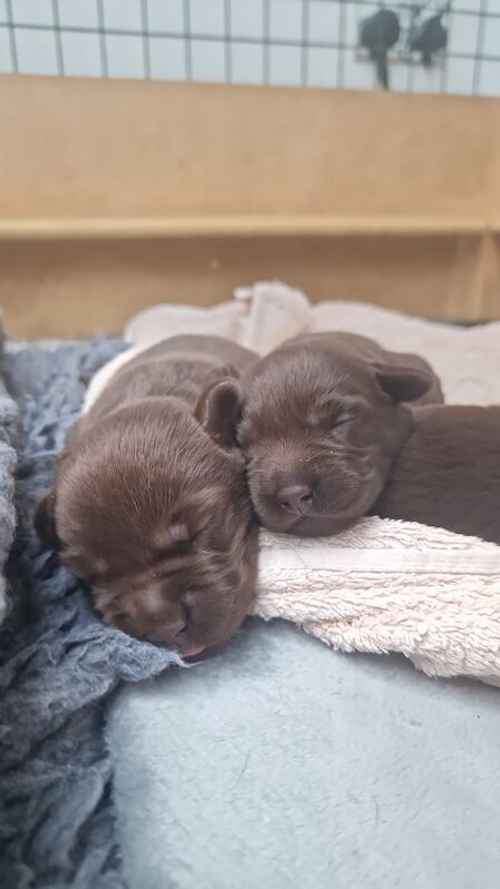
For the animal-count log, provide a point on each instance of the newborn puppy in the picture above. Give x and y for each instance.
(150, 503)
(448, 472)
(324, 418)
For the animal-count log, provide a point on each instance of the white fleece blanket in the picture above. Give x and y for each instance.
(383, 586)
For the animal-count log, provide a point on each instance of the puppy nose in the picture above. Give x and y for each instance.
(296, 499)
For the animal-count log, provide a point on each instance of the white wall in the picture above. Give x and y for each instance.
(246, 41)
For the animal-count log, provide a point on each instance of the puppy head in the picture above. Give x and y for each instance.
(320, 433)
(151, 507)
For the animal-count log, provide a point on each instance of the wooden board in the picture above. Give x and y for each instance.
(118, 194)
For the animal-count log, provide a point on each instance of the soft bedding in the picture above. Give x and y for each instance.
(382, 586)
(277, 762)
(281, 763)
(58, 662)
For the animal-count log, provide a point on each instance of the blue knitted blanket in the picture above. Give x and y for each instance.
(58, 663)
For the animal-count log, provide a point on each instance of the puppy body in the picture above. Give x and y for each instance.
(180, 367)
(323, 420)
(448, 472)
(150, 503)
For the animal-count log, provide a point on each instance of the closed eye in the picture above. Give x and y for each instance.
(349, 414)
(342, 420)
(332, 419)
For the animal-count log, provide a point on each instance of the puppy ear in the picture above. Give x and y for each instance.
(219, 411)
(402, 383)
(45, 520)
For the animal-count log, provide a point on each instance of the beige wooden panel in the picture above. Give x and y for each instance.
(76, 288)
(117, 194)
(73, 148)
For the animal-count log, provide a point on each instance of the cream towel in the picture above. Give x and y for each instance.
(386, 586)
(383, 586)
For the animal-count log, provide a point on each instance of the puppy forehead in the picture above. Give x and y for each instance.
(131, 513)
(301, 375)
(320, 355)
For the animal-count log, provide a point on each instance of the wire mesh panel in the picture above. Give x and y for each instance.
(293, 42)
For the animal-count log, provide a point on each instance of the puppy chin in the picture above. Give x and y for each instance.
(277, 520)
(321, 524)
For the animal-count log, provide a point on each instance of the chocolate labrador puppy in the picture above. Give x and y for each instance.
(150, 503)
(448, 472)
(324, 417)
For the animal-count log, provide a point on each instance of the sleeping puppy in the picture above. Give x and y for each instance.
(448, 472)
(150, 503)
(323, 420)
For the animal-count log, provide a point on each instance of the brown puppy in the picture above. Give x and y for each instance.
(448, 472)
(150, 503)
(324, 418)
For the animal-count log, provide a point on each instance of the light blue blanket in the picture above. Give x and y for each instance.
(282, 764)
